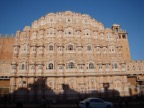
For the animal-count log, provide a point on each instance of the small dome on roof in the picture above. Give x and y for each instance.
(116, 25)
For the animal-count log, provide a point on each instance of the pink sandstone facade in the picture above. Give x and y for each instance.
(75, 55)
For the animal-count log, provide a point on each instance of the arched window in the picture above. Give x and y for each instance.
(91, 66)
(115, 66)
(50, 66)
(124, 36)
(69, 32)
(50, 47)
(71, 65)
(80, 66)
(22, 66)
(70, 47)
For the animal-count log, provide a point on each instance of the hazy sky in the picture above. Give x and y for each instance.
(16, 14)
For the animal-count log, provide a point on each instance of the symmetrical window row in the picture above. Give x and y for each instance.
(68, 47)
(53, 20)
(72, 65)
(68, 32)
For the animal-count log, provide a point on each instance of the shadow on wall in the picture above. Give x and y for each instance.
(39, 91)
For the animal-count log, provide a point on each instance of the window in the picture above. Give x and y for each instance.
(32, 66)
(115, 66)
(112, 49)
(89, 48)
(68, 20)
(80, 66)
(61, 67)
(41, 34)
(79, 48)
(70, 47)
(50, 32)
(60, 48)
(50, 47)
(97, 49)
(116, 29)
(15, 48)
(119, 36)
(107, 65)
(13, 66)
(22, 67)
(33, 48)
(100, 66)
(96, 101)
(50, 66)
(124, 36)
(133, 67)
(91, 66)
(71, 65)
(40, 67)
(123, 65)
(24, 48)
(69, 31)
(139, 68)
(51, 19)
(128, 68)
(86, 32)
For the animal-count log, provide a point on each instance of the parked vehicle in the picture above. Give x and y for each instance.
(95, 103)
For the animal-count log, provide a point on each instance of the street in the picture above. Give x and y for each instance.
(131, 105)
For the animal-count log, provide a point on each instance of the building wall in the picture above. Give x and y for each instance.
(6, 55)
(6, 48)
(70, 53)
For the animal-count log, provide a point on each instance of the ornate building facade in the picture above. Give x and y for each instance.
(68, 54)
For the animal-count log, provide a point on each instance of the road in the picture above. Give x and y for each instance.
(131, 105)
